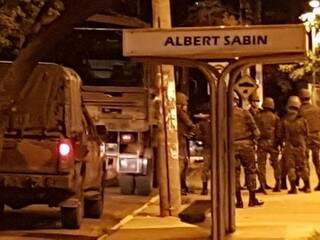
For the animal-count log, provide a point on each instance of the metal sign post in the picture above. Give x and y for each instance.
(277, 44)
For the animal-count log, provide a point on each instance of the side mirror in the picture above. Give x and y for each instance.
(101, 129)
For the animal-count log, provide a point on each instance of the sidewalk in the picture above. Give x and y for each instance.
(282, 217)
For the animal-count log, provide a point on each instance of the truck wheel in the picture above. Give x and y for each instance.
(126, 183)
(144, 185)
(71, 217)
(94, 208)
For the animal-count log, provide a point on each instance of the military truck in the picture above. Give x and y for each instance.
(51, 148)
(125, 108)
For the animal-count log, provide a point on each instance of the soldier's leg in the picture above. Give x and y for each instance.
(316, 163)
(239, 202)
(262, 159)
(274, 156)
(183, 175)
(248, 162)
(284, 171)
(304, 172)
(291, 167)
(205, 173)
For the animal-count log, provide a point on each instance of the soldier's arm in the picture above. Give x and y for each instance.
(184, 117)
(253, 126)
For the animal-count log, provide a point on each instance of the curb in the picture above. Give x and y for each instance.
(129, 217)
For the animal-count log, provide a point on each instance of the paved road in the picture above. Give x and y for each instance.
(40, 222)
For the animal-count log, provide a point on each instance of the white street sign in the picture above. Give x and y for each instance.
(246, 86)
(215, 42)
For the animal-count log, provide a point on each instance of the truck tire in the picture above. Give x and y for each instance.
(144, 184)
(94, 208)
(126, 183)
(71, 217)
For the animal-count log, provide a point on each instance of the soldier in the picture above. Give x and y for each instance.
(267, 122)
(245, 133)
(204, 134)
(294, 132)
(186, 129)
(312, 115)
(254, 103)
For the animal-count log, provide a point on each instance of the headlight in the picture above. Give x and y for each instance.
(126, 138)
(123, 163)
(145, 162)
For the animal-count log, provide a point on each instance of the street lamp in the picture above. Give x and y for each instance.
(314, 3)
(309, 20)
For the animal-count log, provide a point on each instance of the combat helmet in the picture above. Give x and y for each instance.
(254, 97)
(181, 99)
(304, 94)
(268, 103)
(294, 102)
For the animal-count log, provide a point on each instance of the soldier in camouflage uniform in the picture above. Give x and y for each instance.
(204, 134)
(186, 129)
(254, 103)
(294, 132)
(267, 122)
(312, 115)
(245, 133)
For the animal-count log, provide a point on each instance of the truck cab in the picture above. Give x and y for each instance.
(125, 108)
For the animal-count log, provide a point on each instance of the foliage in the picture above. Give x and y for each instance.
(20, 19)
(304, 69)
(210, 13)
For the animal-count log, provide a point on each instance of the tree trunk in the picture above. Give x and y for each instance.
(76, 12)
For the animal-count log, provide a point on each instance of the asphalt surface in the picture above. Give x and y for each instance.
(41, 222)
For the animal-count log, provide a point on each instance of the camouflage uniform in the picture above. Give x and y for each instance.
(294, 132)
(312, 115)
(245, 132)
(267, 123)
(185, 129)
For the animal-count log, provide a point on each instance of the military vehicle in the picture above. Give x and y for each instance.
(123, 104)
(51, 150)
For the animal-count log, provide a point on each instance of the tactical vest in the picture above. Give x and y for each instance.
(312, 114)
(267, 122)
(295, 132)
(243, 125)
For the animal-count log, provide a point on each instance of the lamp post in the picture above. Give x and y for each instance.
(309, 20)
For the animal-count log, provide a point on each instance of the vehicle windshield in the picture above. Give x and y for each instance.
(112, 72)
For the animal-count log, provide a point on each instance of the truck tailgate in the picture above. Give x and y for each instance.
(29, 156)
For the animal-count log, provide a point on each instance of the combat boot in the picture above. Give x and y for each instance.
(261, 190)
(204, 188)
(306, 187)
(268, 187)
(239, 202)
(317, 188)
(253, 201)
(277, 186)
(297, 181)
(293, 189)
(284, 183)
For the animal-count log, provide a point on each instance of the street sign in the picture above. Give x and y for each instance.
(246, 86)
(215, 42)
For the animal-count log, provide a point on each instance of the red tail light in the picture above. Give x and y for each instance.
(64, 149)
(66, 155)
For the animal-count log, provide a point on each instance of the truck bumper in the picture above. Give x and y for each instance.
(34, 181)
